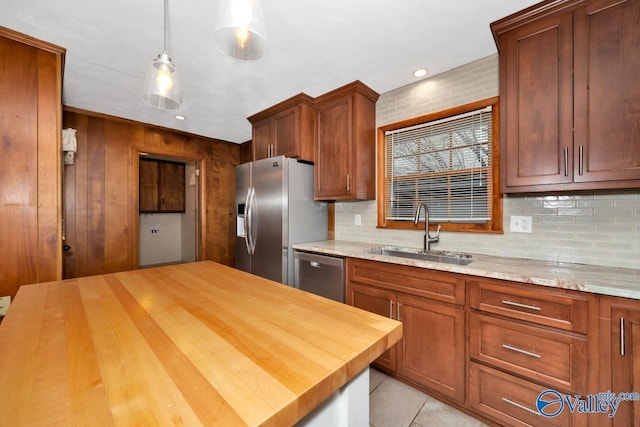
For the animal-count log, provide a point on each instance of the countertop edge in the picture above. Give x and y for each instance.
(610, 281)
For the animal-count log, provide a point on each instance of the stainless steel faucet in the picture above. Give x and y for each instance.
(428, 239)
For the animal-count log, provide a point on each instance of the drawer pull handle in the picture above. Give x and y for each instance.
(517, 304)
(315, 264)
(622, 351)
(518, 405)
(519, 350)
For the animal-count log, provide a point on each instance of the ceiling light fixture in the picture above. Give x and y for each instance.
(420, 72)
(180, 117)
(240, 31)
(162, 84)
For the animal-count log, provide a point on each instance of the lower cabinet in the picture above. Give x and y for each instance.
(432, 351)
(495, 347)
(622, 320)
(511, 400)
(377, 301)
(433, 348)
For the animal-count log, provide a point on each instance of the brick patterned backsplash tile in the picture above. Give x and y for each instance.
(600, 228)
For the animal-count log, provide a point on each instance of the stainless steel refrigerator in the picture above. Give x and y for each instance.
(275, 209)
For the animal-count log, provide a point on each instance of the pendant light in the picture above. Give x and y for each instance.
(240, 31)
(162, 84)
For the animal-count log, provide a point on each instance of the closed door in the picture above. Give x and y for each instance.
(433, 345)
(537, 103)
(376, 301)
(267, 207)
(333, 159)
(607, 106)
(625, 362)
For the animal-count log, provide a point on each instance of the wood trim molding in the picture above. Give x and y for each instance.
(495, 226)
(32, 41)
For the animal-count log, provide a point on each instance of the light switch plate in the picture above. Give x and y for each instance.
(521, 224)
(357, 219)
(5, 302)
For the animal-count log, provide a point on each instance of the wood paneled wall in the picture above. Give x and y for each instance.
(100, 191)
(30, 120)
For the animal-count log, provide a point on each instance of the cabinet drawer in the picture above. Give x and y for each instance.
(558, 308)
(512, 400)
(553, 358)
(446, 287)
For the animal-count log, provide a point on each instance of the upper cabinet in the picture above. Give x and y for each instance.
(569, 96)
(286, 129)
(162, 186)
(345, 146)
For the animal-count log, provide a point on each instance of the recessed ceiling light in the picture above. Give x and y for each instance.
(179, 117)
(420, 72)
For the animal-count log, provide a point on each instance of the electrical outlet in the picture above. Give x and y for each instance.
(357, 219)
(521, 224)
(153, 229)
(5, 302)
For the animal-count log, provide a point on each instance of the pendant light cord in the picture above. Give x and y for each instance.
(165, 26)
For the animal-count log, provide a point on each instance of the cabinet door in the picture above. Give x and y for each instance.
(286, 133)
(148, 178)
(607, 93)
(377, 301)
(333, 174)
(625, 362)
(432, 351)
(262, 139)
(537, 103)
(171, 187)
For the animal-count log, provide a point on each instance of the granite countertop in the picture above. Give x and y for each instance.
(620, 282)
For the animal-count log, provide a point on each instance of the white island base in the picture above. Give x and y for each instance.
(347, 407)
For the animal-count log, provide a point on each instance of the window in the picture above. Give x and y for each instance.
(448, 160)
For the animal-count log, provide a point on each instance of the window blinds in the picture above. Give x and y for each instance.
(445, 163)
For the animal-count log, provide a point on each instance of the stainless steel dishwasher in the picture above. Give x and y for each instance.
(319, 274)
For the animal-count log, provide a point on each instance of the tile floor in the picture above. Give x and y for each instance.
(395, 404)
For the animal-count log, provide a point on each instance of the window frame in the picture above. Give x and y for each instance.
(495, 225)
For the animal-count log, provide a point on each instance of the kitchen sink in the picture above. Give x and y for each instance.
(447, 257)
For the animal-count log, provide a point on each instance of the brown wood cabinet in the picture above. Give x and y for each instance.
(286, 129)
(345, 146)
(518, 341)
(524, 339)
(568, 93)
(430, 306)
(162, 186)
(621, 330)
(510, 400)
(30, 175)
(379, 301)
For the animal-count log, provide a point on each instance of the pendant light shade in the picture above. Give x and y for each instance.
(162, 83)
(240, 31)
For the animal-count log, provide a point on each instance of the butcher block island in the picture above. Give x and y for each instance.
(191, 344)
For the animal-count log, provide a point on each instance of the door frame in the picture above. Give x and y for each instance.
(202, 202)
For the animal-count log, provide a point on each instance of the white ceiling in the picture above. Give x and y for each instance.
(314, 46)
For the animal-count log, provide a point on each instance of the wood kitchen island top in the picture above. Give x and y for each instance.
(191, 344)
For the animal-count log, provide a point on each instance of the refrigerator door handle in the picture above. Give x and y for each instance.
(247, 221)
(253, 233)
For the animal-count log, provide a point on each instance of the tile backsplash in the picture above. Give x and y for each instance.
(600, 228)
